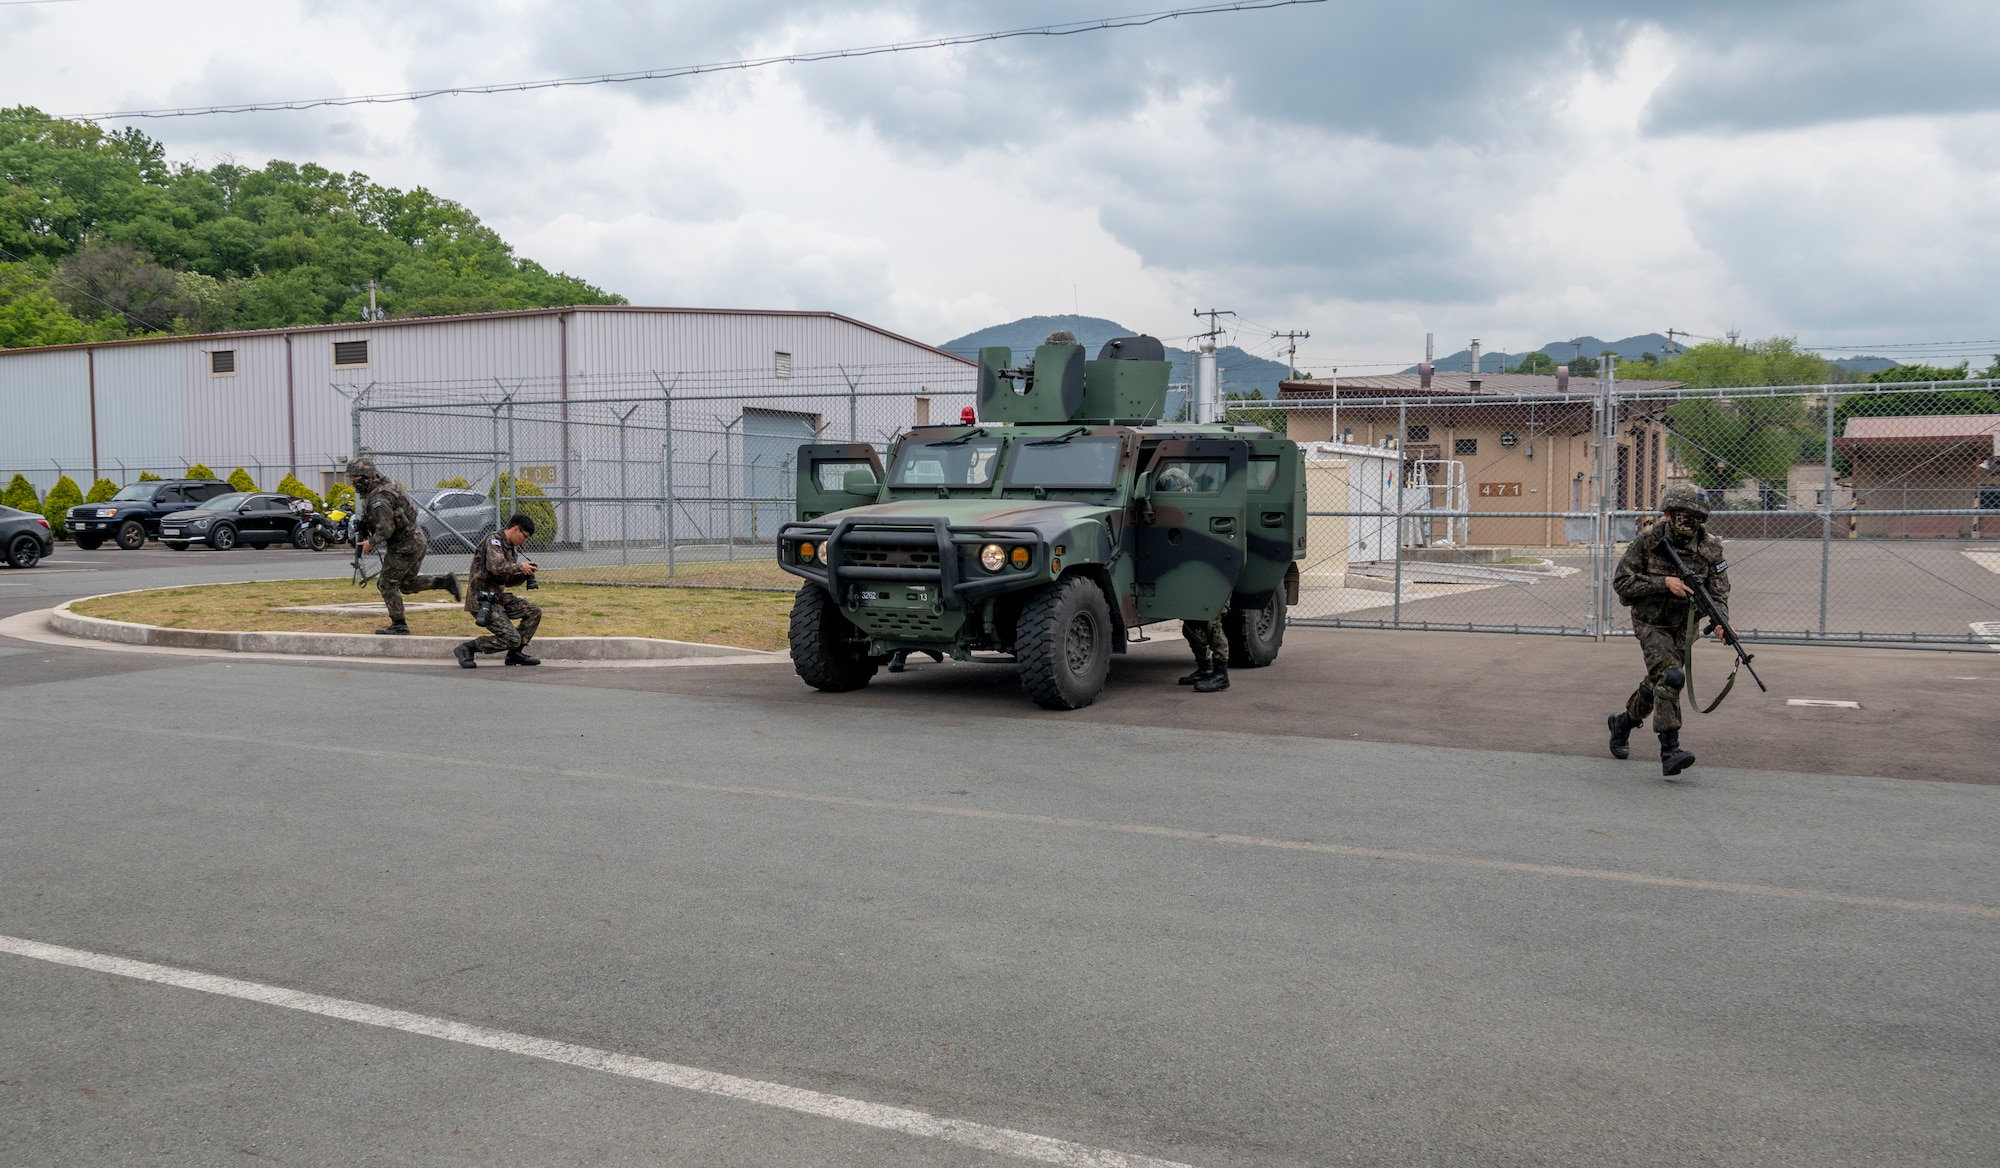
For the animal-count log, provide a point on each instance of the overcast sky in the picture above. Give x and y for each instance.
(1368, 171)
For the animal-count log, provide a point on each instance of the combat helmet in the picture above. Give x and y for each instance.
(361, 469)
(1685, 497)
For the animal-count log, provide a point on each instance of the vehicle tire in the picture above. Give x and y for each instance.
(825, 649)
(222, 538)
(24, 552)
(317, 540)
(1255, 635)
(90, 543)
(131, 535)
(1063, 643)
(179, 545)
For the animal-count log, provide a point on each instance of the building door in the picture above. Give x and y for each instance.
(767, 469)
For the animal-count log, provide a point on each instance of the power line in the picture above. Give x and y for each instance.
(1071, 28)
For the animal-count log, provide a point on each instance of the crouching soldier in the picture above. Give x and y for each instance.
(1663, 619)
(496, 564)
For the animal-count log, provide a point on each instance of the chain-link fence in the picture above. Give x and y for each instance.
(1851, 514)
(665, 478)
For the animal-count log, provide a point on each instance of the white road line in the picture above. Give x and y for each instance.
(1828, 702)
(1005, 1141)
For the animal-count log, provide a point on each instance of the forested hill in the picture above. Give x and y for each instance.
(101, 237)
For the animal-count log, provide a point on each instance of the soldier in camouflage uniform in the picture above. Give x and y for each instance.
(1662, 618)
(391, 521)
(496, 563)
(1205, 638)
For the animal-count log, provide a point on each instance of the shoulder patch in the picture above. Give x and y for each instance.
(1721, 566)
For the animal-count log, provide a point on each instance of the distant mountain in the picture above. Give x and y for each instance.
(1629, 350)
(1865, 364)
(1240, 372)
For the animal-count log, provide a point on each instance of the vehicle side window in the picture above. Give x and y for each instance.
(832, 472)
(196, 494)
(173, 495)
(1263, 472)
(271, 504)
(1191, 477)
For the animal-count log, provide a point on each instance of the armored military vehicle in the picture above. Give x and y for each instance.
(1051, 529)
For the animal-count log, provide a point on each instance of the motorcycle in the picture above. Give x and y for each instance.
(315, 531)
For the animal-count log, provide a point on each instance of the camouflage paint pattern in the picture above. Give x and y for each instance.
(1665, 647)
(501, 635)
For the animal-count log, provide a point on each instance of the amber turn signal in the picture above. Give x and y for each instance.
(1019, 556)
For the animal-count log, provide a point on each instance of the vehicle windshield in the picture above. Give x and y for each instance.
(136, 491)
(952, 462)
(1086, 463)
(221, 503)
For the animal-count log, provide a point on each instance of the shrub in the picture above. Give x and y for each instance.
(101, 490)
(290, 485)
(146, 476)
(64, 495)
(458, 481)
(239, 479)
(529, 500)
(200, 471)
(340, 497)
(21, 495)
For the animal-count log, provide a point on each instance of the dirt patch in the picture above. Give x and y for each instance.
(721, 616)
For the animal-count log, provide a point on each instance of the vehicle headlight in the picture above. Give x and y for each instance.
(993, 557)
(106, 512)
(806, 551)
(198, 524)
(1018, 557)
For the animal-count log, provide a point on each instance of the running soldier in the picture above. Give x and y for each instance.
(1663, 619)
(496, 564)
(391, 522)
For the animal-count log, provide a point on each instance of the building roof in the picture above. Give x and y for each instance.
(520, 312)
(1447, 384)
(1903, 429)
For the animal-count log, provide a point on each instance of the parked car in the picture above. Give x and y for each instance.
(454, 519)
(25, 537)
(231, 520)
(133, 515)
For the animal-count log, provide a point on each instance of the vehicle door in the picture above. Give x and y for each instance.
(827, 471)
(266, 519)
(1275, 514)
(1188, 546)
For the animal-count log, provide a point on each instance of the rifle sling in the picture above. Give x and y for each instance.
(1693, 635)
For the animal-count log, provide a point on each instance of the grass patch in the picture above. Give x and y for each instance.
(746, 573)
(720, 616)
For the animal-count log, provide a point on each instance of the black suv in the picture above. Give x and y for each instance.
(133, 515)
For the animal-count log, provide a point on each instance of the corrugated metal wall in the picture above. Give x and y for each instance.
(160, 407)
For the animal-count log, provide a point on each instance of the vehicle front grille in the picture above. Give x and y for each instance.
(906, 624)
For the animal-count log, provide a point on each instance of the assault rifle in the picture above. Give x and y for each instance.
(357, 531)
(1706, 606)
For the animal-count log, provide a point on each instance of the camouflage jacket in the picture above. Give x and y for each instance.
(1641, 580)
(495, 564)
(392, 519)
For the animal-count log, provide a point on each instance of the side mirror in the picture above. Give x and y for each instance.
(859, 480)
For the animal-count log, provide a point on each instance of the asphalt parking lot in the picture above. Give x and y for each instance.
(1386, 902)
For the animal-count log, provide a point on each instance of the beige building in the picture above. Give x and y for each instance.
(1947, 462)
(1509, 455)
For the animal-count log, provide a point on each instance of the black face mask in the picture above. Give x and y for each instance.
(1685, 525)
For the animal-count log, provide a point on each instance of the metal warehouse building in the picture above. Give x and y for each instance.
(284, 400)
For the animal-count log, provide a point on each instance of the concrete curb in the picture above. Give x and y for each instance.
(368, 645)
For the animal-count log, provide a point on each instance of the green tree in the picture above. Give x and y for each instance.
(340, 497)
(529, 500)
(21, 495)
(199, 471)
(1270, 417)
(1914, 403)
(458, 481)
(290, 485)
(100, 491)
(240, 480)
(146, 476)
(1535, 363)
(1718, 364)
(64, 495)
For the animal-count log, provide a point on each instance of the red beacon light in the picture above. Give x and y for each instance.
(967, 416)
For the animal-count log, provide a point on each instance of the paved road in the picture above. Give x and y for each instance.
(1138, 927)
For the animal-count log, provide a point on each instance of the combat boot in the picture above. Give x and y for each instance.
(1217, 679)
(1622, 726)
(1673, 760)
(465, 653)
(516, 657)
(1201, 670)
(449, 582)
(399, 629)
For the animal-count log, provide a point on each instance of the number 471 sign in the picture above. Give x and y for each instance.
(1498, 490)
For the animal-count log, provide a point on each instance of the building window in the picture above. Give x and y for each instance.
(1418, 434)
(222, 363)
(349, 354)
(1465, 446)
(781, 364)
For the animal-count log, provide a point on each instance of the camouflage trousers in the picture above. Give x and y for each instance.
(399, 575)
(1205, 638)
(501, 635)
(1665, 647)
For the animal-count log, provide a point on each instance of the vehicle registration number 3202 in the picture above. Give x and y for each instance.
(913, 594)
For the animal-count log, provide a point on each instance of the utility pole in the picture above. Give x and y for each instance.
(1671, 348)
(1292, 340)
(1207, 392)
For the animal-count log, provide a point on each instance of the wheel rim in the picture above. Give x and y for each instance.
(1080, 645)
(26, 552)
(1266, 620)
(223, 539)
(131, 537)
